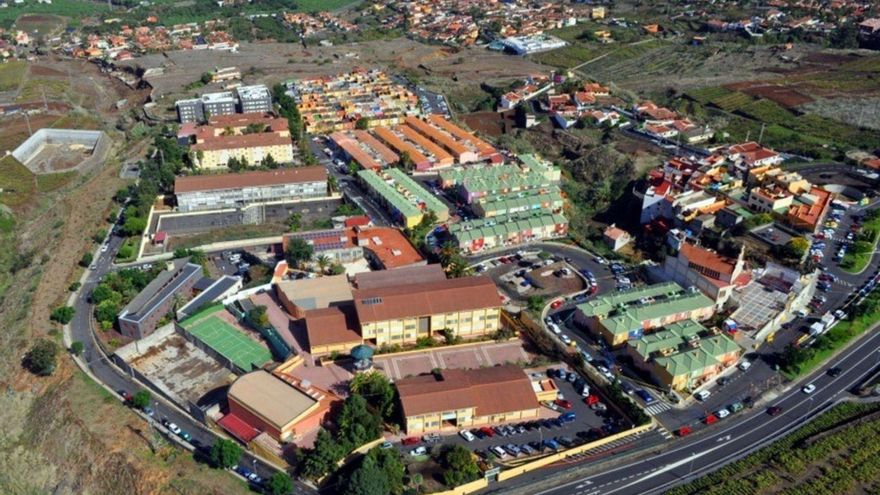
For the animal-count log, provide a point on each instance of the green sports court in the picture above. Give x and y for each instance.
(228, 341)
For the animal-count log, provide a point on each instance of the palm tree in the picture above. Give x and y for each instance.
(323, 261)
(447, 251)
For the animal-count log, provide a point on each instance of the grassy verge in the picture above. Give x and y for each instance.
(233, 233)
(805, 360)
(857, 258)
(828, 455)
(11, 74)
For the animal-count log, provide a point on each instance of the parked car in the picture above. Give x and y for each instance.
(501, 431)
(722, 413)
(418, 451)
(386, 445)
(498, 451)
(185, 436)
(411, 441)
(735, 407)
(702, 395)
(555, 304)
(467, 435)
(568, 417)
(774, 410)
(565, 339)
(489, 432)
(431, 438)
(722, 381)
(551, 444)
(527, 449)
(173, 428)
(563, 404)
(745, 365)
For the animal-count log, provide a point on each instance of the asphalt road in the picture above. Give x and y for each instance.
(82, 330)
(697, 455)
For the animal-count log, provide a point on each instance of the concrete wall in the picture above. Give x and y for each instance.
(97, 141)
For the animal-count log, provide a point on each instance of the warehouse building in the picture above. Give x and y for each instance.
(210, 192)
(453, 399)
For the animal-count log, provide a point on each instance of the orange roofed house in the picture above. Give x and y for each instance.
(809, 210)
(712, 273)
(457, 398)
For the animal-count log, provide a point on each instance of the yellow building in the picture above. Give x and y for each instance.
(248, 136)
(401, 314)
(458, 398)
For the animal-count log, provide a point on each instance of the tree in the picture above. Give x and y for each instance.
(225, 453)
(357, 424)
(460, 466)
(141, 399)
(368, 479)
(332, 184)
(86, 260)
(797, 247)
(353, 168)
(536, 303)
(294, 222)
(377, 390)
(362, 123)
(337, 269)
(322, 457)
(405, 161)
(259, 316)
(323, 261)
(279, 484)
(62, 314)
(299, 252)
(269, 161)
(41, 358)
(107, 311)
(206, 78)
(76, 348)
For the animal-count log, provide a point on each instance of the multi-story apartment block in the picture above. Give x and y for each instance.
(190, 110)
(764, 200)
(254, 98)
(251, 136)
(714, 274)
(405, 199)
(211, 192)
(329, 104)
(630, 314)
(223, 103)
(473, 236)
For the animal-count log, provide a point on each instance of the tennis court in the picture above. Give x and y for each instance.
(230, 342)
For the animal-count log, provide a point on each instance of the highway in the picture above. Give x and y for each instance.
(81, 329)
(700, 454)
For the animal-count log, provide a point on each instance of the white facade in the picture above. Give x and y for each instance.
(215, 199)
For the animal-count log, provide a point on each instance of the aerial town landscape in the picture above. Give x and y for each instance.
(368, 247)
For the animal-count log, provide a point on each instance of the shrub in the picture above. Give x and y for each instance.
(41, 358)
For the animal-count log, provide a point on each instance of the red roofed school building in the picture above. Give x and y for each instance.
(458, 398)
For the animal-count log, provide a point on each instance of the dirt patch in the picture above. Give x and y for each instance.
(490, 123)
(783, 95)
(41, 70)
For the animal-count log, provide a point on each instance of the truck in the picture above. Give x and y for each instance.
(816, 328)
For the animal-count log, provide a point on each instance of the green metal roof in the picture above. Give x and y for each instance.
(519, 201)
(403, 193)
(693, 360)
(626, 319)
(603, 305)
(672, 336)
(503, 225)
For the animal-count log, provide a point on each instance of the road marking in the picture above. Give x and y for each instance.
(723, 439)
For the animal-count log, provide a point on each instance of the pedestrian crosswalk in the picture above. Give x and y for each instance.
(656, 409)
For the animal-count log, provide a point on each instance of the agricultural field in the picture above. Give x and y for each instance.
(17, 182)
(74, 9)
(11, 74)
(827, 456)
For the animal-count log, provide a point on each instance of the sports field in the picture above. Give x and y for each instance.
(229, 342)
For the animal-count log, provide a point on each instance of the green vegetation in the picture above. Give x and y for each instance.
(827, 456)
(225, 453)
(115, 291)
(41, 359)
(459, 466)
(380, 472)
(279, 484)
(75, 9)
(11, 74)
(128, 250)
(76, 348)
(536, 304)
(377, 389)
(62, 314)
(17, 182)
(141, 399)
(298, 252)
(356, 424)
(797, 361)
(862, 250)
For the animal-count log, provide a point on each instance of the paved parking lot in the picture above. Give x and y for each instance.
(586, 420)
(476, 356)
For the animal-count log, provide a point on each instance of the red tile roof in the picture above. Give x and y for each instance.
(497, 390)
(333, 325)
(250, 179)
(708, 259)
(238, 428)
(242, 141)
(389, 245)
(442, 296)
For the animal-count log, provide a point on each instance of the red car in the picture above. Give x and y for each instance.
(555, 304)
(710, 419)
(563, 403)
(683, 431)
(774, 410)
(488, 431)
(411, 441)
